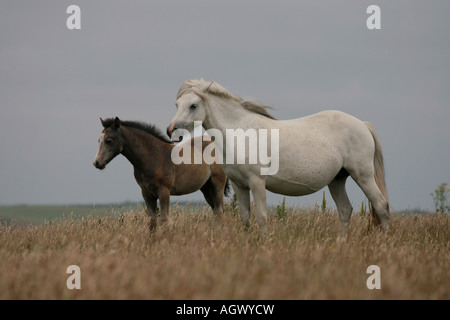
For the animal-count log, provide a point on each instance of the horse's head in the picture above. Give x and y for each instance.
(110, 143)
(191, 106)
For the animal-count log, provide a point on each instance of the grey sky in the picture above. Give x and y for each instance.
(130, 58)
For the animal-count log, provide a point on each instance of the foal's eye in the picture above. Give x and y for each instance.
(193, 106)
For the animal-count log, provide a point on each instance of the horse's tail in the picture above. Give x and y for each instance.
(226, 191)
(379, 172)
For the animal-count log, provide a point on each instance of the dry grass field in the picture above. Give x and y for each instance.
(191, 257)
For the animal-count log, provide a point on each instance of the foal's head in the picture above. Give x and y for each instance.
(110, 143)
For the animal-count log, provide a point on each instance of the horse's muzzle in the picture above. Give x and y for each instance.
(169, 132)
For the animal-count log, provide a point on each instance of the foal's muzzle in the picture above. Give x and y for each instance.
(98, 165)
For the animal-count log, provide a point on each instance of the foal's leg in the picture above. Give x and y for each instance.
(243, 198)
(344, 207)
(214, 196)
(219, 181)
(150, 202)
(164, 203)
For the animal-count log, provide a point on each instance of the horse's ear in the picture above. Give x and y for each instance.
(103, 122)
(117, 123)
(207, 88)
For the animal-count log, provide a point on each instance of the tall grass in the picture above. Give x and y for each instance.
(196, 257)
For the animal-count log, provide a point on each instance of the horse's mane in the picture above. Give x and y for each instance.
(146, 127)
(202, 87)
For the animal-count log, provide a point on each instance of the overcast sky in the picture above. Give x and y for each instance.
(130, 58)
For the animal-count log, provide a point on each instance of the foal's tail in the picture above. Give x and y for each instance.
(379, 172)
(226, 191)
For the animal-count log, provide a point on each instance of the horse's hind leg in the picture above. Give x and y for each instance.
(378, 202)
(339, 195)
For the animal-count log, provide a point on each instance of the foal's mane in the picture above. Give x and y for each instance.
(146, 127)
(200, 87)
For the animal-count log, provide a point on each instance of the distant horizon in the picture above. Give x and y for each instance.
(330, 205)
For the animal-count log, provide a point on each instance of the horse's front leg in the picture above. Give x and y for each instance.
(243, 198)
(150, 202)
(258, 187)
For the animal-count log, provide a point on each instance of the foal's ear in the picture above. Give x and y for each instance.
(117, 123)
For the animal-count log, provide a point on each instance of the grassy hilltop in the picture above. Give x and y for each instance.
(193, 257)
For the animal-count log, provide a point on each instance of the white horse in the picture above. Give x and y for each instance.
(319, 150)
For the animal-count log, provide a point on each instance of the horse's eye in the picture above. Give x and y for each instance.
(193, 106)
(108, 141)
